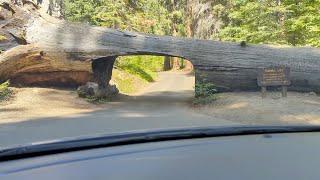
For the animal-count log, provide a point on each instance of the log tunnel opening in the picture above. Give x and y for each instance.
(172, 69)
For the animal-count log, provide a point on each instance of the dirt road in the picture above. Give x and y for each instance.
(43, 114)
(37, 114)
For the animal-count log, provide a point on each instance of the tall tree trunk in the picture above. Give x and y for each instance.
(281, 21)
(190, 17)
(167, 63)
(189, 28)
(294, 35)
(175, 62)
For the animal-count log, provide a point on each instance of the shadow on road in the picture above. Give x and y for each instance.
(128, 115)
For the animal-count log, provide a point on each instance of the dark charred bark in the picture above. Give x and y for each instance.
(8, 7)
(102, 72)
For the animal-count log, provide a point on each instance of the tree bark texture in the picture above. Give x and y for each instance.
(228, 65)
(102, 71)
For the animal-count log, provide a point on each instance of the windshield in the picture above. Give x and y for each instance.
(78, 68)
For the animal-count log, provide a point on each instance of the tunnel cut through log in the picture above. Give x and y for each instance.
(70, 46)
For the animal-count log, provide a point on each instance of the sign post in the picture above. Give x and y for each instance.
(274, 76)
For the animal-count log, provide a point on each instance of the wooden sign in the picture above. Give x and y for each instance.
(274, 76)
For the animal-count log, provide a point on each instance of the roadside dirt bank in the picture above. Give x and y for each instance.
(250, 108)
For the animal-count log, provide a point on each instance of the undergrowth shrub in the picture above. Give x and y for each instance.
(205, 89)
(5, 91)
(2, 38)
(205, 93)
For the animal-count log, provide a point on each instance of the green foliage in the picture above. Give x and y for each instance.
(205, 89)
(5, 91)
(147, 16)
(142, 73)
(205, 93)
(278, 22)
(2, 38)
(126, 82)
(143, 66)
(80, 10)
(290, 22)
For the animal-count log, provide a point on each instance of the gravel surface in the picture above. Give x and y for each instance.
(250, 108)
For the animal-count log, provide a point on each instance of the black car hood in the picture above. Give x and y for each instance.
(135, 137)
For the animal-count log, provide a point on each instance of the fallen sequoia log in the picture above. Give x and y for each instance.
(58, 46)
(25, 63)
(28, 65)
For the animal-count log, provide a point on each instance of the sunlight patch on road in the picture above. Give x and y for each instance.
(307, 118)
(133, 114)
(238, 105)
(312, 102)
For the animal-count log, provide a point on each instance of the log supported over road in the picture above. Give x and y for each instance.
(230, 66)
(102, 71)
